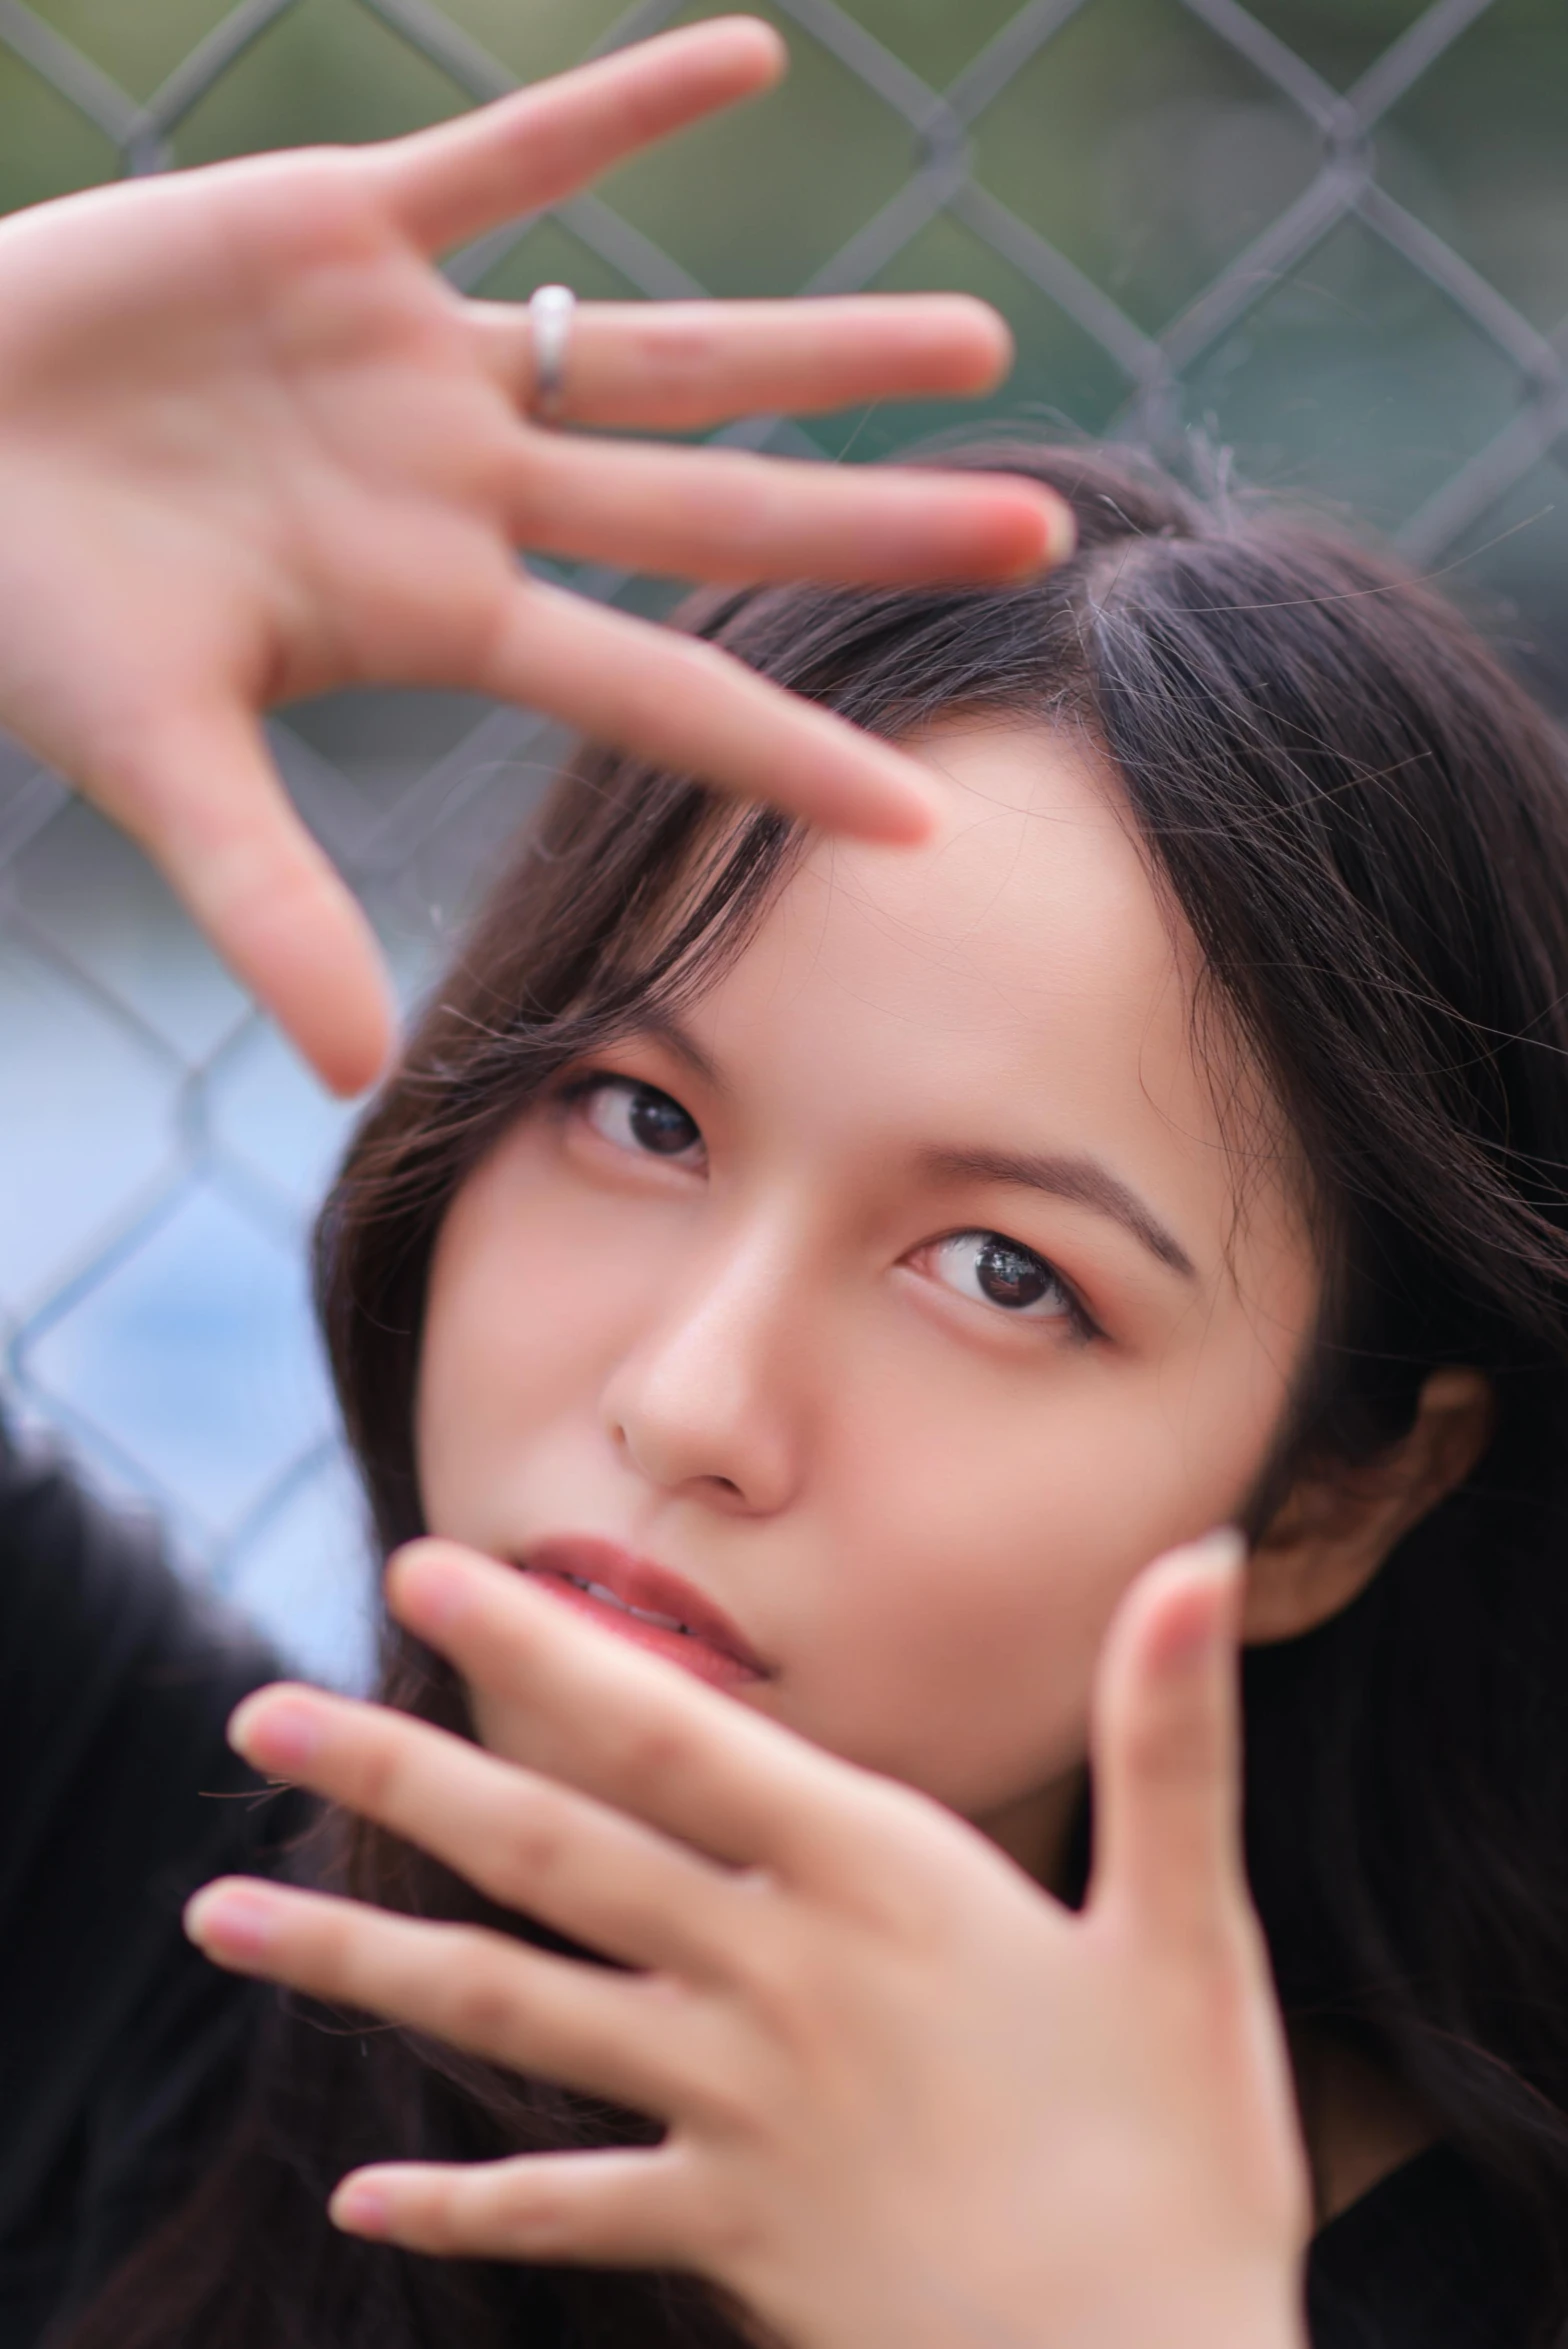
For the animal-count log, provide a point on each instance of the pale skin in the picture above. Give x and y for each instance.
(910, 2097)
(250, 447)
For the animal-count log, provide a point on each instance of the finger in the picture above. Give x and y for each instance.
(608, 2034)
(685, 705)
(1166, 1747)
(200, 794)
(611, 2209)
(622, 1725)
(450, 183)
(723, 514)
(528, 1842)
(675, 366)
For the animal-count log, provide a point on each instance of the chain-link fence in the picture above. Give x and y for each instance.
(1323, 242)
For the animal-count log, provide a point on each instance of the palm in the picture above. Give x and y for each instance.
(252, 446)
(296, 451)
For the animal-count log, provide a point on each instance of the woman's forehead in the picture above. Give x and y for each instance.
(1029, 931)
(1018, 984)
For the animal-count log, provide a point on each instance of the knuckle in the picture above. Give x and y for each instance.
(480, 2001)
(530, 1853)
(433, 2219)
(728, 2228)
(1204, 1947)
(1222, 2000)
(1174, 1749)
(330, 1933)
(759, 1919)
(653, 1753)
(923, 1871)
(676, 354)
(730, 2102)
(796, 1996)
(753, 509)
(375, 1775)
(638, 701)
(532, 2220)
(1208, 1960)
(724, 2069)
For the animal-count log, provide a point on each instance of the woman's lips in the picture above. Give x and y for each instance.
(647, 1605)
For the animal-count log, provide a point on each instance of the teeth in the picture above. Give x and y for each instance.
(607, 1598)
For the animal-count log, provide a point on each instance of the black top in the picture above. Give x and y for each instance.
(121, 2050)
(120, 2046)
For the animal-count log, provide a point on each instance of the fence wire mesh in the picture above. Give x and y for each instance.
(1323, 240)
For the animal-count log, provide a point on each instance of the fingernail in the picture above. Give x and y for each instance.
(1064, 534)
(277, 1732)
(359, 2208)
(907, 817)
(1223, 1549)
(232, 1918)
(1193, 1633)
(1059, 540)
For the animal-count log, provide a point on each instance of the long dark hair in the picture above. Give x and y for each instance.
(1365, 822)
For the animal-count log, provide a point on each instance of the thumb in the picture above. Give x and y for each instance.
(1166, 1746)
(201, 796)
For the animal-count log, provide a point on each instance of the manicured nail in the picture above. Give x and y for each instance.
(232, 1919)
(277, 1731)
(359, 2208)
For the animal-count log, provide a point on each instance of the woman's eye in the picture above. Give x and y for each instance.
(640, 1117)
(998, 1271)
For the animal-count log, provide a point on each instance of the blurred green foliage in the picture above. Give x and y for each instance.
(1139, 145)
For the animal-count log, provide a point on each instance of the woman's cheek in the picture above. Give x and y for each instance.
(956, 1613)
(536, 1284)
(983, 1551)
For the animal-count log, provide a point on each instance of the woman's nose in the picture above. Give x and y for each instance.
(702, 1404)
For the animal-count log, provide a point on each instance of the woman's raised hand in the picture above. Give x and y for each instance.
(911, 2101)
(252, 446)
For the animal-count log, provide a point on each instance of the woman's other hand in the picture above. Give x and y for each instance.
(911, 2101)
(252, 446)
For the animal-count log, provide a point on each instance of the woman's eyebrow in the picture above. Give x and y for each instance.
(1082, 1180)
(662, 1027)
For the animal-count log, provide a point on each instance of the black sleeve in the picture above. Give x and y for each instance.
(120, 2047)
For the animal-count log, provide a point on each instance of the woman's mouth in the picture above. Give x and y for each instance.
(647, 1605)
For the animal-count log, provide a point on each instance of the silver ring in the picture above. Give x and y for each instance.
(551, 309)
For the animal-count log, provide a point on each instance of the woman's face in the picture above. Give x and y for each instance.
(902, 1304)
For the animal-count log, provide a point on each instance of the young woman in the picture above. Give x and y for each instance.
(861, 1263)
(840, 1269)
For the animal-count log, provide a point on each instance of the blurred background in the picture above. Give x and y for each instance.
(1318, 245)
